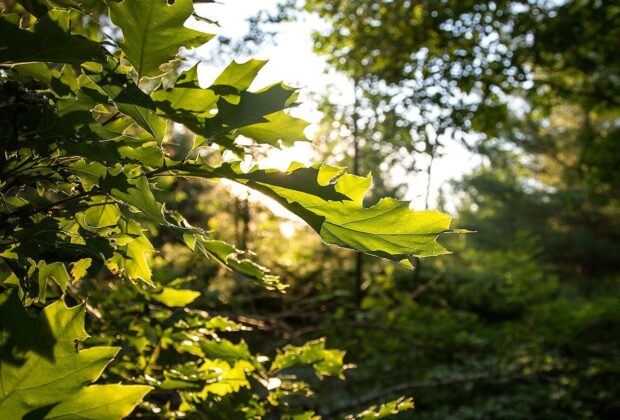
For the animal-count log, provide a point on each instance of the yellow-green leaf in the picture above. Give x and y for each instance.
(153, 31)
(175, 297)
(42, 373)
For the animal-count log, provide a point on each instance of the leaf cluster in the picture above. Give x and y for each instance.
(88, 127)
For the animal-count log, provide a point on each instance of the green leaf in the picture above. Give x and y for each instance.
(153, 31)
(49, 241)
(127, 97)
(229, 378)
(175, 298)
(388, 229)
(80, 268)
(305, 415)
(187, 103)
(54, 271)
(39, 8)
(120, 400)
(238, 76)
(67, 4)
(185, 95)
(331, 202)
(279, 127)
(36, 8)
(325, 362)
(134, 192)
(225, 350)
(102, 213)
(231, 258)
(44, 376)
(257, 115)
(89, 173)
(384, 410)
(222, 323)
(49, 40)
(34, 71)
(131, 260)
(251, 108)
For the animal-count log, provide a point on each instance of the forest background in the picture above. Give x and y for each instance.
(516, 103)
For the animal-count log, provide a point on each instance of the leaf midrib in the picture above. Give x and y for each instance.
(144, 38)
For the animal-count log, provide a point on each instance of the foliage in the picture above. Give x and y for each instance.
(458, 63)
(386, 410)
(88, 142)
(44, 375)
(522, 321)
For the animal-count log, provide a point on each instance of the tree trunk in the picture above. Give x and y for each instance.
(357, 292)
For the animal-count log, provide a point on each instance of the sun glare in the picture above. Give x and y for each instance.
(293, 61)
(279, 159)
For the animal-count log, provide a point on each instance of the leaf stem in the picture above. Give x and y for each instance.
(56, 203)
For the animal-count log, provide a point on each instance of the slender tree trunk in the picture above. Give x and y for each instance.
(415, 278)
(357, 293)
(429, 174)
(242, 222)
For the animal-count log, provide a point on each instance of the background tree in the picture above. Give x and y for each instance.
(523, 326)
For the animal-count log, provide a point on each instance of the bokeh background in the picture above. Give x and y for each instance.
(505, 114)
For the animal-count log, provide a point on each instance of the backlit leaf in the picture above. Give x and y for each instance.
(384, 410)
(128, 98)
(279, 127)
(186, 95)
(153, 31)
(132, 260)
(175, 297)
(238, 76)
(324, 361)
(331, 202)
(101, 214)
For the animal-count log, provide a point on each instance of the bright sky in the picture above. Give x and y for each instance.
(292, 60)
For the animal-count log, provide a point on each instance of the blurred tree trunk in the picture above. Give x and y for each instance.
(242, 222)
(357, 293)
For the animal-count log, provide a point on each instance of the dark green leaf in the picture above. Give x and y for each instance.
(128, 98)
(49, 40)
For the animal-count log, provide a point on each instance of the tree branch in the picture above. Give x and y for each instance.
(371, 398)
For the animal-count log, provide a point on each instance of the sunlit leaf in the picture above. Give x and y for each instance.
(384, 410)
(135, 192)
(42, 373)
(128, 98)
(230, 378)
(132, 260)
(251, 108)
(101, 214)
(185, 95)
(238, 76)
(153, 31)
(56, 272)
(175, 297)
(80, 268)
(279, 127)
(325, 362)
(331, 202)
